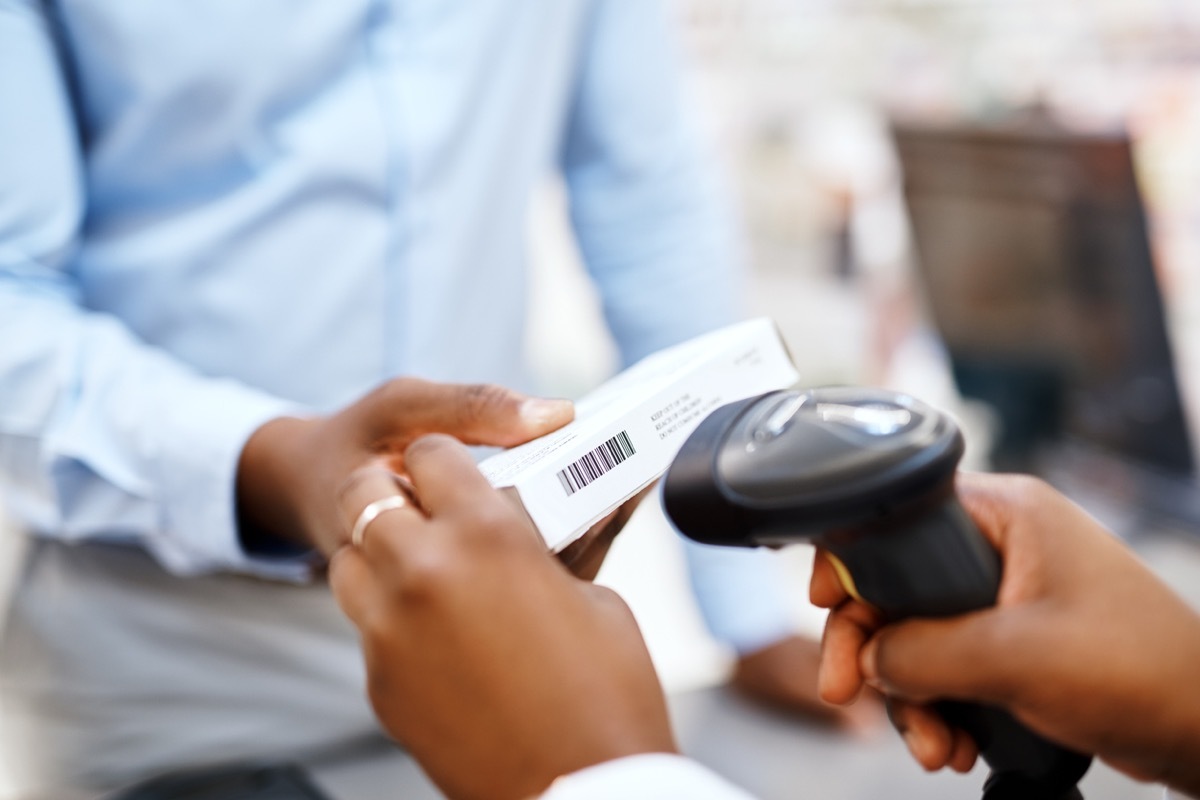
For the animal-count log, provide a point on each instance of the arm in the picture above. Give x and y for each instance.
(101, 436)
(105, 437)
(1085, 645)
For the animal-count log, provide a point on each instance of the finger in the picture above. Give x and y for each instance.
(445, 477)
(359, 496)
(405, 408)
(964, 752)
(354, 586)
(839, 679)
(513, 497)
(825, 589)
(928, 737)
(364, 485)
(995, 501)
(964, 657)
(585, 555)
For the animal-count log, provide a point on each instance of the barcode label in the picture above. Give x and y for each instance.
(596, 463)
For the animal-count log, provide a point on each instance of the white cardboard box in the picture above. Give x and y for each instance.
(628, 430)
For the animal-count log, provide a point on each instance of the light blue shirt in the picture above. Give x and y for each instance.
(215, 213)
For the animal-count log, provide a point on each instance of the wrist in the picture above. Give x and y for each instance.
(270, 487)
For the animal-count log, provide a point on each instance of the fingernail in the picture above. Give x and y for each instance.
(915, 745)
(542, 412)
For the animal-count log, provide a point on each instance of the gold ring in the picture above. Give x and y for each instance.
(372, 511)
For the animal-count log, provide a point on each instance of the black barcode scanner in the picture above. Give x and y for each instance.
(868, 475)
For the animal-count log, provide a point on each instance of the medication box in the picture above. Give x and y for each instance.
(628, 430)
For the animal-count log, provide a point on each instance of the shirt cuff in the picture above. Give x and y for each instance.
(198, 483)
(651, 776)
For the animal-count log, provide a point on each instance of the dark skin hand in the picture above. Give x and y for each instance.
(1085, 645)
(486, 658)
(292, 470)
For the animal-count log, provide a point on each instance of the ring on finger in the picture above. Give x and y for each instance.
(373, 510)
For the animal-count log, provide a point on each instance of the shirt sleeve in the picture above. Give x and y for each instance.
(661, 245)
(101, 436)
(654, 776)
(653, 226)
(741, 594)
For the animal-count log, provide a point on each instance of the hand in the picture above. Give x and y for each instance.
(495, 667)
(585, 556)
(291, 470)
(783, 676)
(1085, 646)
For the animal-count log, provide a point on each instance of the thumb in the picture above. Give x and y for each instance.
(962, 658)
(406, 408)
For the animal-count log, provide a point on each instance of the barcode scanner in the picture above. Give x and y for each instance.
(868, 475)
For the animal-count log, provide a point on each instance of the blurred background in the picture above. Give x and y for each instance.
(800, 99)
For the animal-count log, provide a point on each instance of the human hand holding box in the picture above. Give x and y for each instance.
(628, 430)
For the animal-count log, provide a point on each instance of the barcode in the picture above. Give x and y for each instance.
(596, 463)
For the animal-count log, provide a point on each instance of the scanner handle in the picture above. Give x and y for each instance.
(939, 564)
